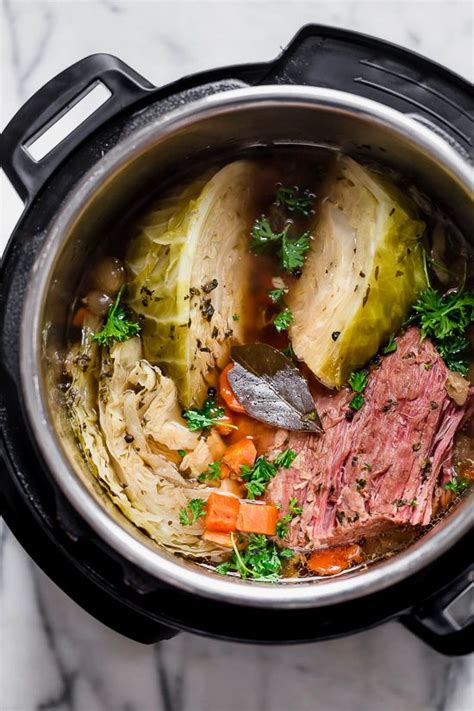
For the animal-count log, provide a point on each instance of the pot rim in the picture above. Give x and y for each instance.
(188, 576)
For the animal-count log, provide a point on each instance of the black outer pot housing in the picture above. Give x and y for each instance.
(62, 544)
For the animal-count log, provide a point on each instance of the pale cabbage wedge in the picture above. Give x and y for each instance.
(189, 276)
(363, 271)
(136, 400)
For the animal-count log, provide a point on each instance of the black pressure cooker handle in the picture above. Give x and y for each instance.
(445, 621)
(53, 101)
(374, 69)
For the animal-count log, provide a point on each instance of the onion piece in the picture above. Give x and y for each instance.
(457, 388)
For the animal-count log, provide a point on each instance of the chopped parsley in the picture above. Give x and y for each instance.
(283, 320)
(182, 452)
(276, 295)
(257, 477)
(294, 200)
(235, 317)
(358, 381)
(293, 506)
(189, 514)
(212, 472)
(356, 402)
(282, 525)
(457, 485)
(209, 415)
(391, 346)
(117, 327)
(291, 251)
(261, 559)
(285, 459)
(445, 318)
(263, 236)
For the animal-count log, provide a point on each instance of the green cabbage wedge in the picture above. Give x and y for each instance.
(363, 272)
(126, 419)
(189, 276)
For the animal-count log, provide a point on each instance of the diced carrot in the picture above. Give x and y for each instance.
(79, 317)
(262, 435)
(225, 471)
(333, 560)
(257, 518)
(222, 539)
(222, 512)
(239, 454)
(225, 426)
(226, 392)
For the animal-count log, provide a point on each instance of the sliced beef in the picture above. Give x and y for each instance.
(380, 468)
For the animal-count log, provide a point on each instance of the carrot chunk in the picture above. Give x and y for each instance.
(222, 512)
(225, 425)
(226, 392)
(330, 561)
(225, 471)
(257, 518)
(241, 453)
(79, 317)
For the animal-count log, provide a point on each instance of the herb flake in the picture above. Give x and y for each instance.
(117, 327)
(189, 514)
(283, 320)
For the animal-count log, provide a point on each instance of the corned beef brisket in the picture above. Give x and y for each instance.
(383, 466)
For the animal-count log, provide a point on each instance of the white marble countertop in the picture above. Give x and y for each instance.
(52, 654)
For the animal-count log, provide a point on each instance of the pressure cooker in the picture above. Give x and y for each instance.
(329, 88)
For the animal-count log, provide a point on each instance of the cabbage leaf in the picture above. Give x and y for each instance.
(364, 270)
(130, 439)
(189, 276)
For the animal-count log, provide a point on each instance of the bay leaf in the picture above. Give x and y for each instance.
(272, 389)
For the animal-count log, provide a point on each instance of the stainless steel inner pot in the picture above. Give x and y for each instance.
(190, 136)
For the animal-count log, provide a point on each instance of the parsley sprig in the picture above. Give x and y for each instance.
(209, 415)
(262, 559)
(117, 327)
(294, 200)
(276, 295)
(212, 472)
(257, 477)
(263, 236)
(457, 485)
(285, 459)
(445, 318)
(292, 252)
(282, 523)
(283, 320)
(189, 514)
